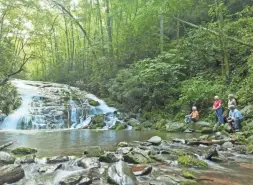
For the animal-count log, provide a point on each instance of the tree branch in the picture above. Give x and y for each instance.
(215, 33)
(74, 19)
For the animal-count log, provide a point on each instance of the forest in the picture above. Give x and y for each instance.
(155, 58)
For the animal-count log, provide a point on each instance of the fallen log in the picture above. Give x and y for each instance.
(6, 145)
(211, 142)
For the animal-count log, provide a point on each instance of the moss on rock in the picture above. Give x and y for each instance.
(249, 148)
(23, 151)
(188, 175)
(188, 160)
(188, 182)
(94, 103)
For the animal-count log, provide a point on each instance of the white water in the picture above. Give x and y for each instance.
(29, 114)
(26, 92)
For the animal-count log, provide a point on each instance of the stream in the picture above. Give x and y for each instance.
(46, 122)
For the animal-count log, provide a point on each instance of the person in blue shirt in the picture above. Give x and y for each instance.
(235, 118)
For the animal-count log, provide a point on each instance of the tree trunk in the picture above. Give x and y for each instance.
(161, 33)
(109, 28)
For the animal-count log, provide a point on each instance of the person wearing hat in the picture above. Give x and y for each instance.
(194, 116)
(231, 100)
(217, 107)
(235, 118)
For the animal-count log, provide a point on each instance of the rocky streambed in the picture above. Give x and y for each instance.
(210, 159)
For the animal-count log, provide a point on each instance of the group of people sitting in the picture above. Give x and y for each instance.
(234, 117)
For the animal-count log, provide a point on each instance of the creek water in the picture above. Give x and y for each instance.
(40, 123)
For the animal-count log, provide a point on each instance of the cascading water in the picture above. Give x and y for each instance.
(43, 108)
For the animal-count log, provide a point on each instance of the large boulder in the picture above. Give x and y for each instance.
(247, 111)
(110, 157)
(175, 127)
(122, 144)
(6, 158)
(124, 150)
(89, 162)
(28, 159)
(98, 121)
(199, 125)
(93, 151)
(73, 179)
(49, 168)
(11, 173)
(138, 156)
(155, 140)
(227, 145)
(121, 174)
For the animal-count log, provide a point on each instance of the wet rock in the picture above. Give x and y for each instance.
(175, 127)
(23, 151)
(28, 159)
(227, 145)
(94, 103)
(241, 149)
(122, 144)
(57, 159)
(176, 140)
(211, 153)
(93, 151)
(6, 158)
(121, 174)
(124, 150)
(138, 156)
(110, 157)
(98, 121)
(49, 169)
(89, 163)
(11, 173)
(155, 140)
(73, 179)
(167, 180)
(188, 175)
(199, 125)
(85, 181)
(141, 170)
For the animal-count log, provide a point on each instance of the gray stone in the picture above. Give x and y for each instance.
(110, 157)
(176, 140)
(49, 168)
(28, 159)
(6, 158)
(227, 145)
(175, 127)
(138, 156)
(122, 144)
(121, 174)
(211, 153)
(155, 140)
(57, 159)
(85, 181)
(89, 163)
(124, 150)
(11, 173)
(73, 179)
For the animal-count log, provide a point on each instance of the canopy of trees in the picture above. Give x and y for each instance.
(158, 57)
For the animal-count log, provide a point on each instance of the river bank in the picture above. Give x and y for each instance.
(95, 157)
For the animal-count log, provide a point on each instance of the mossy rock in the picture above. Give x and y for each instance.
(93, 151)
(190, 161)
(175, 127)
(109, 102)
(188, 175)
(94, 103)
(188, 182)
(23, 151)
(206, 130)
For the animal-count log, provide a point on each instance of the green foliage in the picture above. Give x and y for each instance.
(191, 162)
(23, 151)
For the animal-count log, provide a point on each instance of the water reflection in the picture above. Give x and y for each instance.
(73, 142)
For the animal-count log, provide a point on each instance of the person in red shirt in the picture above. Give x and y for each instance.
(217, 107)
